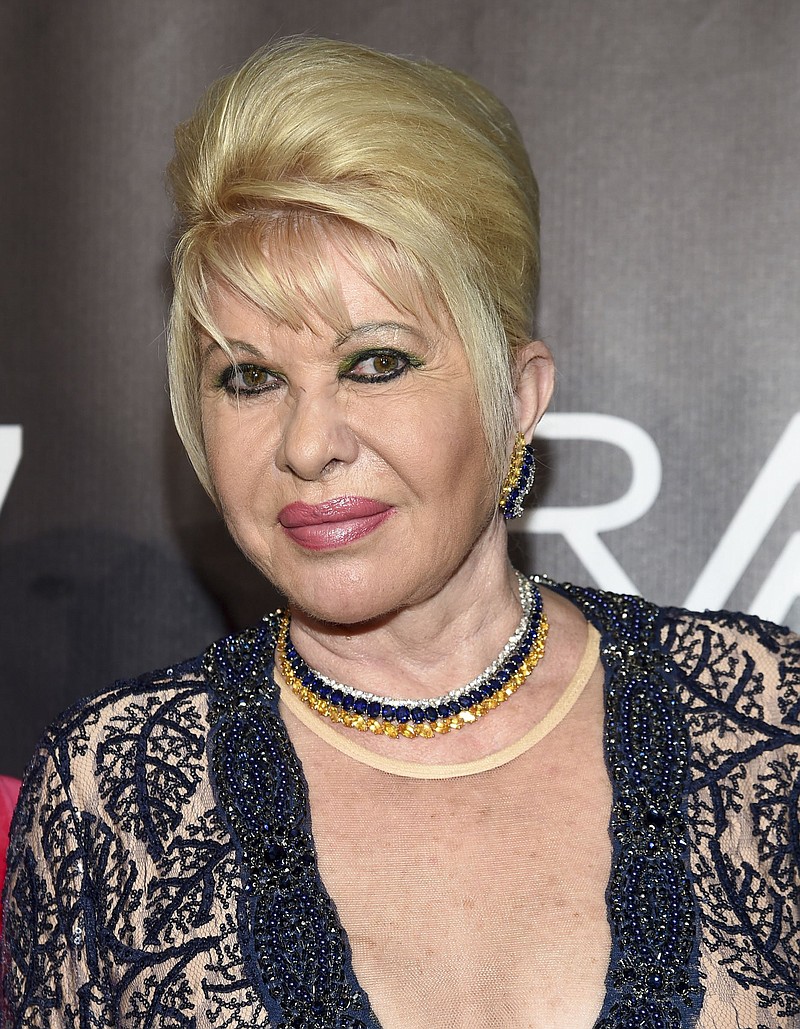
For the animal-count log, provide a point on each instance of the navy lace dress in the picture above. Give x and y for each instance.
(163, 872)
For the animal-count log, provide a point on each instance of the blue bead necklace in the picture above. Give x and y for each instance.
(411, 718)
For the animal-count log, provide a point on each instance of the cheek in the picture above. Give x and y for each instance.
(216, 445)
(235, 454)
(446, 456)
(210, 418)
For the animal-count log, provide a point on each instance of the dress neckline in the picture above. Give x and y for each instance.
(350, 746)
(653, 976)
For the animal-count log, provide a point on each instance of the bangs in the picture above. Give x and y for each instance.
(281, 263)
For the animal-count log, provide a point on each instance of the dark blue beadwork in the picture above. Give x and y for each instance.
(307, 979)
(653, 979)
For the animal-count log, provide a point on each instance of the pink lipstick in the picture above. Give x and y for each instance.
(334, 523)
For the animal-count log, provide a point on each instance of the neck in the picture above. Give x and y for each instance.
(427, 649)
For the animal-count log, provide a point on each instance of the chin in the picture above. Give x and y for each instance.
(346, 593)
(355, 584)
(353, 612)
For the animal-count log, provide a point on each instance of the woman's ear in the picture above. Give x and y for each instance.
(534, 378)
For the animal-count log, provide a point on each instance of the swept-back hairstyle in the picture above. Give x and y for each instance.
(415, 172)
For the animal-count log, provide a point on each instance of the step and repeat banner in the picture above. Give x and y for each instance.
(666, 140)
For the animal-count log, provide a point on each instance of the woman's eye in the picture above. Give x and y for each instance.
(247, 379)
(378, 367)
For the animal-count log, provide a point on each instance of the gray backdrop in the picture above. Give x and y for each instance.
(665, 137)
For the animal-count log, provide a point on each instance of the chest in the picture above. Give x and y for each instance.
(472, 901)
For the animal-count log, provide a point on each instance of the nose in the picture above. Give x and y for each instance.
(316, 437)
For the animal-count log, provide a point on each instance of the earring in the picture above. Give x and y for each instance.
(518, 480)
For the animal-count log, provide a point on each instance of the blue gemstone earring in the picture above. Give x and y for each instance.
(518, 480)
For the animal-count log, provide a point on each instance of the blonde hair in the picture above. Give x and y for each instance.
(415, 172)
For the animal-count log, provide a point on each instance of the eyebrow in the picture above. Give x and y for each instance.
(365, 329)
(370, 327)
(234, 344)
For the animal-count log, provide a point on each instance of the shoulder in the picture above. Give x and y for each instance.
(112, 733)
(690, 636)
(730, 628)
(720, 659)
(197, 682)
(732, 660)
(136, 753)
(156, 719)
(164, 715)
(132, 700)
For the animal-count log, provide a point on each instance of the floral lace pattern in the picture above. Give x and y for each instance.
(121, 907)
(163, 873)
(744, 800)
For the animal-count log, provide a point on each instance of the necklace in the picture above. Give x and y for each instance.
(368, 712)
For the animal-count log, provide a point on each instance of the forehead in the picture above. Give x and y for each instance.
(336, 301)
(305, 271)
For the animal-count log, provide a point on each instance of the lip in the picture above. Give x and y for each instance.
(333, 523)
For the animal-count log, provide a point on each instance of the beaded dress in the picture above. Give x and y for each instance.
(163, 871)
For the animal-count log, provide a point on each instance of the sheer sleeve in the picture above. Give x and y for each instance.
(125, 903)
(740, 685)
(50, 970)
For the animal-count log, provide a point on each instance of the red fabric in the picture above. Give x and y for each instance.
(9, 791)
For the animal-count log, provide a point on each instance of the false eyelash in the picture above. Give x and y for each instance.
(408, 362)
(224, 381)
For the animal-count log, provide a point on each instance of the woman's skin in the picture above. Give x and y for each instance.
(419, 598)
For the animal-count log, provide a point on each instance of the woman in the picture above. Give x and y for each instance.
(356, 380)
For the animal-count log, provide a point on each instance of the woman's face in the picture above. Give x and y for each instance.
(350, 467)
